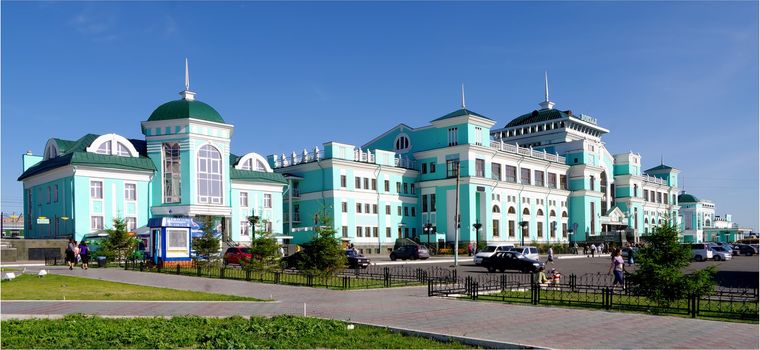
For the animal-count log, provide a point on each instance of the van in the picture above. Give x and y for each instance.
(701, 252)
(489, 251)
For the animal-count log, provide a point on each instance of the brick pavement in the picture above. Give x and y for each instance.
(411, 308)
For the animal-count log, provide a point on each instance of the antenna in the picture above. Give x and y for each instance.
(463, 104)
(187, 94)
(546, 86)
(187, 76)
(661, 159)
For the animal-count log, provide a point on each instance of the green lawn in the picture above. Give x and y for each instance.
(281, 332)
(56, 287)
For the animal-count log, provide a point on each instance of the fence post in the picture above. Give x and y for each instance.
(247, 275)
(221, 272)
(177, 269)
(308, 279)
(387, 277)
(454, 274)
(142, 266)
(572, 282)
(502, 282)
(126, 264)
(475, 291)
(694, 304)
(430, 287)
(198, 269)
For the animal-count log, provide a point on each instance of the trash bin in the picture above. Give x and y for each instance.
(101, 261)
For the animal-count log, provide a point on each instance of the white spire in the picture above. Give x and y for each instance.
(546, 104)
(464, 106)
(187, 94)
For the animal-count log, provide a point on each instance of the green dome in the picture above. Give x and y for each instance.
(183, 108)
(687, 198)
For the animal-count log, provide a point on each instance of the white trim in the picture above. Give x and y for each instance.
(51, 144)
(129, 175)
(400, 127)
(255, 157)
(364, 197)
(192, 210)
(115, 139)
(247, 186)
(48, 176)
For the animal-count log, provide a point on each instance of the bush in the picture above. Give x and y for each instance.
(206, 246)
(323, 255)
(264, 254)
(118, 245)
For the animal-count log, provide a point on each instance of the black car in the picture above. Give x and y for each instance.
(291, 261)
(511, 261)
(746, 249)
(356, 260)
(413, 252)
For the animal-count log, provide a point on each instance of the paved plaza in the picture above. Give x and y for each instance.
(410, 308)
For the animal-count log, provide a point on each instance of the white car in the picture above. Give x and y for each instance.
(528, 251)
(489, 251)
(721, 253)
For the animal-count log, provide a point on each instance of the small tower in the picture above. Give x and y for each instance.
(546, 104)
(187, 94)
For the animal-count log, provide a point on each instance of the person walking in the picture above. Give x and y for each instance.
(593, 250)
(281, 251)
(575, 248)
(585, 250)
(71, 257)
(617, 265)
(630, 255)
(550, 254)
(84, 253)
(469, 249)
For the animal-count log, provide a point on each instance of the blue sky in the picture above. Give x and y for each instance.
(677, 80)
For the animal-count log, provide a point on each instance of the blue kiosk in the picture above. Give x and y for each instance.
(170, 239)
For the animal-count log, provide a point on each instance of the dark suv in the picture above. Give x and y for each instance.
(413, 252)
(511, 261)
(356, 260)
(234, 255)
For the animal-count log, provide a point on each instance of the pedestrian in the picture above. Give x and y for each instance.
(630, 255)
(575, 248)
(593, 250)
(601, 248)
(84, 253)
(469, 249)
(617, 265)
(542, 279)
(585, 250)
(550, 253)
(555, 276)
(71, 257)
(281, 250)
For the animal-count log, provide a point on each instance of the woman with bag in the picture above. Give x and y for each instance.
(71, 257)
(84, 253)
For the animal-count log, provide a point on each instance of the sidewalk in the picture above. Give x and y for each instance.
(410, 308)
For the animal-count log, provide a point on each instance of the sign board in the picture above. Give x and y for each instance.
(43, 221)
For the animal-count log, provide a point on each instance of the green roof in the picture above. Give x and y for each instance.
(659, 167)
(259, 176)
(181, 109)
(687, 198)
(539, 116)
(63, 145)
(459, 113)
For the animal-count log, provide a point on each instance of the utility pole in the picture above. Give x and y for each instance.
(456, 219)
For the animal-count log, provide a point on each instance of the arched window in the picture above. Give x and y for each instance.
(707, 222)
(496, 209)
(209, 175)
(171, 173)
(402, 143)
(122, 150)
(511, 210)
(247, 165)
(635, 190)
(113, 144)
(564, 214)
(105, 148)
(540, 212)
(526, 211)
(552, 213)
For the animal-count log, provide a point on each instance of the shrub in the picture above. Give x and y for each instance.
(206, 246)
(119, 245)
(324, 254)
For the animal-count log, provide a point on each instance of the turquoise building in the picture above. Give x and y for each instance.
(182, 168)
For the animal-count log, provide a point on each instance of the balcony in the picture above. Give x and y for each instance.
(528, 152)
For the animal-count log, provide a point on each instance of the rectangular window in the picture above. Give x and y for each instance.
(244, 199)
(171, 173)
(414, 211)
(564, 230)
(511, 226)
(267, 200)
(552, 180)
(480, 167)
(452, 168)
(525, 176)
(343, 181)
(539, 175)
(453, 136)
(358, 231)
(540, 229)
(374, 208)
(130, 192)
(296, 189)
(659, 197)
(406, 211)
(344, 207)
(424, 168)
(398, 187)
(496, 171)
(646, 195)
(399, 210)
(406, 188)
(388, 232)
(563, 182)
(432, 202)
(374, 232)
(412, 189)
(479, 136)
(665, 198)
(495, 228)
(96, 190)
(296, 213)
(366, 208)
(374, 184)
(432, 167)
(366, 183)
(344, 231)
(510, 174)
(244, 230)
(55, 194)
(96, 223)
(367, 232)
(176, 239)
(357, 183)
(424, 203)
(49, 194)
(388, 210)
(387, 186)
(358, 208)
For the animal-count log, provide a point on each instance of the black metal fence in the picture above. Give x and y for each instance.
(372, 277)
(596, 291)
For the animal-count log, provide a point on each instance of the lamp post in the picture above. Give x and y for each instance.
(524, 225)
(428, 231)
(477, 227)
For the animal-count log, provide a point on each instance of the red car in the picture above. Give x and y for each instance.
(234, 255)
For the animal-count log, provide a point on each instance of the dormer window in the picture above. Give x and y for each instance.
(112, 144)
(105, 148)
(401, 143)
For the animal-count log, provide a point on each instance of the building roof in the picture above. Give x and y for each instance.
(258, 176)
(687, 198)
(539, 116)
(182, 108)
(459, 113)
(660, 167)
(75, 154)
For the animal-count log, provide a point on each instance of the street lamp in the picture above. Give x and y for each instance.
(477, 227)
(524, 225)
(428, 231)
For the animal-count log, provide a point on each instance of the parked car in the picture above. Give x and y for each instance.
(291, 261)
(94, 241)
(511, 260)
(721, 253)
(235, 255)
(410, 252)
(356, 260)
(701, 251)
(746, 249)
(490, 250)
(528, 251)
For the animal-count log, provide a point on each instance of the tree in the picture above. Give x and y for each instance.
(207, 245)
(324, 254)
(660, 273)
(119, 245)
(254, 221)
(264, 253)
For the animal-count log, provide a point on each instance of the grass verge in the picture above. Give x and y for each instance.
(280, 332)
(56, 287)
